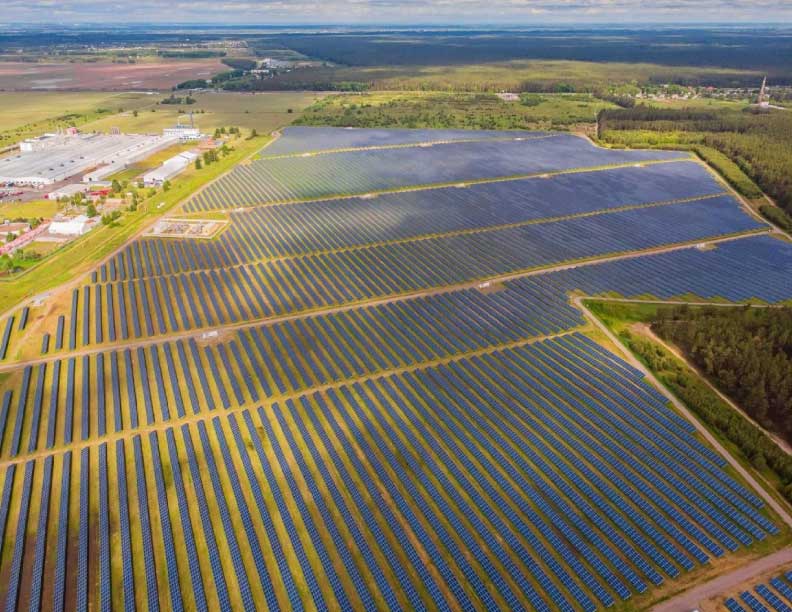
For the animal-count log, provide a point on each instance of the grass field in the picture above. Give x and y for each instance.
(27, 114)
(42, 248)
(45, 209)
(698, 103)
(24, 108)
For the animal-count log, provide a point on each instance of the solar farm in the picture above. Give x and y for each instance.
(371, 389)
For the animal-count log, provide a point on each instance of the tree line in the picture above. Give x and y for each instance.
(760, 143)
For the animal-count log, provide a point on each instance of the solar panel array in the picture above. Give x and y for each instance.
(272, 180)
(152, 305)
(266, 232)
(496, 505)
(296, 140)
(398, 439)
(776, 594)
(756, 268)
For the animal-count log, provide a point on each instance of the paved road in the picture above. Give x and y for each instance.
(689, 600)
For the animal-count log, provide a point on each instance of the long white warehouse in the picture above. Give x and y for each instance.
(169, 169)
(65, 156)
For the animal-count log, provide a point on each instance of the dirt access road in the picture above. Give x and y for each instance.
(691, 599)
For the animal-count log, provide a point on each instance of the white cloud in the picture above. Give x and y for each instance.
(393, 11)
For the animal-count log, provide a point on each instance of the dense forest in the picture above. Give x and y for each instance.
(747, 49)
(759, 142)
(746, 352)
(527, 75)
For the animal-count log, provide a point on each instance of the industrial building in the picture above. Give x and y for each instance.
(56, 157)
(184, 133)
(41, 143)
(74, 226)
(169, 169)
(67, 191)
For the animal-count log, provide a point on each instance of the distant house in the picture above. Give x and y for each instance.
(15, 229)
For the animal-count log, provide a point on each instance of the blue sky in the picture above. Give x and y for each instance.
(393, 11)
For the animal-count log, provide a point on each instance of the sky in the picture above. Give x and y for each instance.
(262, 12)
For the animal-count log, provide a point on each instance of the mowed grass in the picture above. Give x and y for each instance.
(42, 248)
(35, 208)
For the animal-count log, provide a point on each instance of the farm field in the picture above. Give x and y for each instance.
(25, 115)
(20, 109)
(382, 403)
(104, 76)
(263, 112)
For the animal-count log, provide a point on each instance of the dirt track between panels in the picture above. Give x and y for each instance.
(689, 600)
